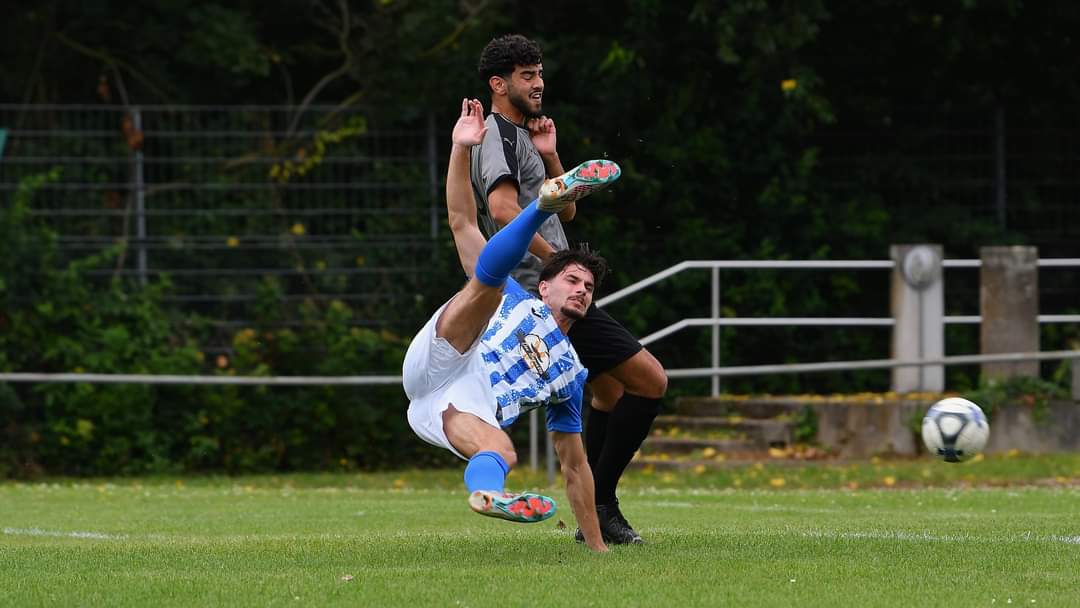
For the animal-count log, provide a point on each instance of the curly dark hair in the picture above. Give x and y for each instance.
(503, 53)
(581, 255)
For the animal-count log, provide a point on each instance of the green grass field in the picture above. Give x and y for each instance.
(981, 534)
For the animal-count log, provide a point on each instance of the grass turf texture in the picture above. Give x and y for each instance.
(977, 534)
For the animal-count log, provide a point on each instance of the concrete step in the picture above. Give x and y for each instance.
(747, 407)
(681, 445)
(706, 459)
(765, 432)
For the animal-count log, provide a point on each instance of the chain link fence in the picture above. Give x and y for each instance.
(232, 202)
(287, 204)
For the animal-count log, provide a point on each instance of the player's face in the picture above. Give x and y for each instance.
(525, 89)
(570, 292)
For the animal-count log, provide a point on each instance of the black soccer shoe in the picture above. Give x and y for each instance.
(614, 528)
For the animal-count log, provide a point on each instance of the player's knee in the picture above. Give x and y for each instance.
(606, 392)
(650, 380)
(510, 456)
(660, 384)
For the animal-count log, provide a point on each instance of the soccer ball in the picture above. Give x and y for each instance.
(955, 429)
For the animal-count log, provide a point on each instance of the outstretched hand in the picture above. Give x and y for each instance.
(542, 134)
(470, 129)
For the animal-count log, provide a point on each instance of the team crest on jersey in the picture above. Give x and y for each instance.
(535, 352)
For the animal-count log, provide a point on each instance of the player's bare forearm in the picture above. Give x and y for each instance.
(461, 209)
(568, 213)
(469, 130)
(552, 164)
(553, 167)
(504, 208)
(540, 248)
(579, 487)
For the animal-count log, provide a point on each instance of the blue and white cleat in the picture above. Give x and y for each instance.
(525, 507)
(581, 181)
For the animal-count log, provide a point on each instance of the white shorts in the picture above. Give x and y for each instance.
(435, 375)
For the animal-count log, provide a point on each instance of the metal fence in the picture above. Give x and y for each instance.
(222, 198)
(717, 321)
(1017, 169)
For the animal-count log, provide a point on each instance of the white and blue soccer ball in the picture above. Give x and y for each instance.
(955, 429)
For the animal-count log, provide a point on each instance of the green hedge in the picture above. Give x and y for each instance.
(59, 318)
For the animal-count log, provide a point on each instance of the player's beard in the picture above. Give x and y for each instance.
(524, 105)
(572, 313)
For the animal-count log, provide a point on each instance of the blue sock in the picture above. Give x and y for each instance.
(486, 471)
(506, 248)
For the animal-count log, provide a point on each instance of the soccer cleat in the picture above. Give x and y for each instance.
(614, 528)
(525, 507)
(579, 182)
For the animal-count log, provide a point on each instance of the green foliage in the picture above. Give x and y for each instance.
(225, 39)
(59, 319)
(806, 425)
(763, 130)
(1031, 392)
(309, 427)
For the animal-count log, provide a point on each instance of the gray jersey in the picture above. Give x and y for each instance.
(508, 154)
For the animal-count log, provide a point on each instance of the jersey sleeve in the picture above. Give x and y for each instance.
(498, 155)
(514, 290)
(565, 417)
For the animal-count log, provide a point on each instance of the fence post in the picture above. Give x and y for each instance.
(918, 309)
(140, 200)
(1009, 303)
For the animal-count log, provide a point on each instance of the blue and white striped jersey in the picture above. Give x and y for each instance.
(530, 363)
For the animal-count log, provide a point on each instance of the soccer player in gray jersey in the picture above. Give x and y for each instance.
(493, 351)
(517, 154)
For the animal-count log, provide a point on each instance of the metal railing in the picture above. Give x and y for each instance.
(715, 371)
(716, 321)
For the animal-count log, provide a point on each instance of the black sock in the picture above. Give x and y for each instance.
(627, 427)
(595, 435)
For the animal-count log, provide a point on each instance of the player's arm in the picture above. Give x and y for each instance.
(503, 202)
(460, 207)
(542, 134)
(579, 486)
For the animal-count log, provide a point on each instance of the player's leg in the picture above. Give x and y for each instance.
(468, 313)
(643, 383)
(604, 389)
(491, 456)
(470, 435)
(628, 384)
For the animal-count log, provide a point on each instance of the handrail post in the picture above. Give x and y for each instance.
(715, 329)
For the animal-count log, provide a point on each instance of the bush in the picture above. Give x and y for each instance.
(55, 318)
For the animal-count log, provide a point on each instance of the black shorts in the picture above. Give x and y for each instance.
(602, 342)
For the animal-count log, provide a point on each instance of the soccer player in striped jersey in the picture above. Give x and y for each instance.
(493, 351)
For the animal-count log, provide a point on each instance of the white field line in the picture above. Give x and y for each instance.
(901, 535)
(61, 534)
(897, 535)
